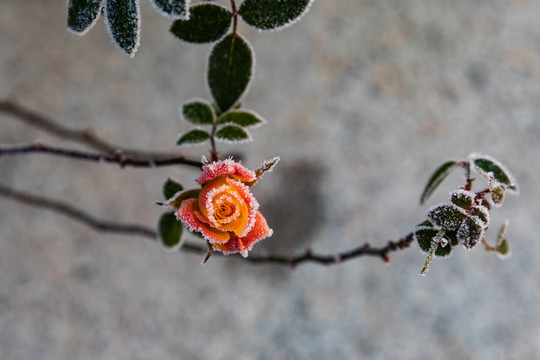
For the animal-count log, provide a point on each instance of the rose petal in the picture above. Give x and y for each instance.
(187, 215)
(243, 190)
(243, 245)
(225, 167)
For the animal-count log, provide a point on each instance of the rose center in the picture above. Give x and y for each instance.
(225, 209)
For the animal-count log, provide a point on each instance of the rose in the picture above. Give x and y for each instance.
(225, 212)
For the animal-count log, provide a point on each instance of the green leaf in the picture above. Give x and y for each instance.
(470, 232)
(487, 165)
(206, 23)
(243, 119)
(170, 231)
(503, 246)
(122, 18)
(230, 67)
(82, 15)
(424, 237)
(462, 198)
(171, 188)
(446, 216)
(197, 112)
(196, 136)
(233, 134)
(436, 178)
(173, 9)
(273, 14)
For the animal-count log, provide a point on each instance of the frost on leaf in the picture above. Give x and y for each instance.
(491, 167)
(266, 166)
(230, 67)
(497, 195)
(233, 134)
(197, 112)
(436, 178)
(482, 213)
(273, 14)
(173, 9)
(82, 15)
(245, 119)
(206, 23)
(462, 198)
(470, 233)
(122, 18)
(425, 237)
(446, 216)
(170, 231)
(196, 136)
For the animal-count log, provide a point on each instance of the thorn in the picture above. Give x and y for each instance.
(309, 251)
(385, 258)
(152, 164)
(337, 258)
(39, 144)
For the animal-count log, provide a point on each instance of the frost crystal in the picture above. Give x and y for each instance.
(446, 216)
(470, 233)
(462, 198)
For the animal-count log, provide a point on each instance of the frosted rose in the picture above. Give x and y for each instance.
(225, 211)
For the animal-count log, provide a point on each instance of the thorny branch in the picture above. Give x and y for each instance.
(86, 136)
(131, 229)
(118, 157)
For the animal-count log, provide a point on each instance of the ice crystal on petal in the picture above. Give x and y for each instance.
(225, 167)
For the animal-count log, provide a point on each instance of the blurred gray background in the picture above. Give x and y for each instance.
(364, 99)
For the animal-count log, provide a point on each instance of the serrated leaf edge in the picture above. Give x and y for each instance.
(251, 112)
(137, 36)
(474, 156)
(89, 27)
(192, 143)
(284, 26)
(242, 141)
(170, 16)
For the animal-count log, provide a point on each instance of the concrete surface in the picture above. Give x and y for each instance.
(363, 100)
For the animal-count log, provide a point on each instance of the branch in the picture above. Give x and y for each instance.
(130, 229)
(118, 157)
(86, 137)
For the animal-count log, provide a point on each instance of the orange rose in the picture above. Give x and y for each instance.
(225, 211)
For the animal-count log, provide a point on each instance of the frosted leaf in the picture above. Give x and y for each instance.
(266, 166)
(426, 236)
(273, 14)
(123, 21)
(436, 178)
(470, 232)
(198, 112)
(446, 216)
(229, 70)
(82, 15)
(206, 23)
(462, 198)
(173, 9)
(193, 137)
(497, 195)
(233, 135)
(482, 213)
(170, 231)
(245, 119)
(493, 168)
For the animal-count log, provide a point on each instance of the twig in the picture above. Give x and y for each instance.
(129, 229)
(85, 137)
(118, 157)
